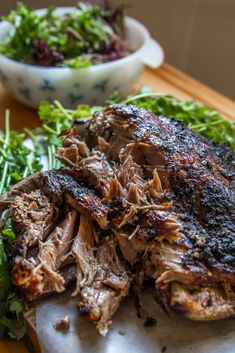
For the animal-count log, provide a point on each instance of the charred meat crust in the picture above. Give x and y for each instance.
(63, 185)
(198, 177)
(201, 177)
(147, 192)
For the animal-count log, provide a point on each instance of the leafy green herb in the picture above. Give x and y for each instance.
(57, 118)
(16, 160)
(78, 63)
(11, 307)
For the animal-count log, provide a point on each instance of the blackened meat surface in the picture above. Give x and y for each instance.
(143, 195)
(82, 198)
(201, 177)
(192, 241)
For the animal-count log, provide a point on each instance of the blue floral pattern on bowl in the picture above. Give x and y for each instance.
(25, 92)
(75, 98)
(101, 86)
(79, 87)
(47, 85)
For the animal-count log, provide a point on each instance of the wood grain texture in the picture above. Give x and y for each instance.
(166, 79)
(12, 347)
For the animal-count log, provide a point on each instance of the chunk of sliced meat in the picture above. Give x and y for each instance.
(203, 303)
(34, 216)
(102, 280)
(83, 252)
(61, 184)
(95, 170)
(44, 245)
(32, 212)
(74, 149)
(91, 167)
(35, 276)
(100, 299)
(58, 244)
(25, 185)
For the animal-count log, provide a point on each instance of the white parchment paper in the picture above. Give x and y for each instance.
(172, 334)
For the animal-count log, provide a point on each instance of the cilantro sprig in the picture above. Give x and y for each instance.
(16, 160)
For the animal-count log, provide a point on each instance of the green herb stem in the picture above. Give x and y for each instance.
(145, 95)
(25, 172)
(63, 110)
(7, 127)
(49, 129)
(4, 176)
(50, 158)
(4, 155)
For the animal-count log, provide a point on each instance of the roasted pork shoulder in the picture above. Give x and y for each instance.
(143, 198)
(172, 197)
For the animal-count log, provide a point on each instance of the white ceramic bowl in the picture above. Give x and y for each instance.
(93, 85)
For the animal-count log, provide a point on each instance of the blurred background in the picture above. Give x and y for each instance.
(197, 35)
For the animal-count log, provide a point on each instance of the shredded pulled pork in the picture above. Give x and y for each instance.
(143, 198)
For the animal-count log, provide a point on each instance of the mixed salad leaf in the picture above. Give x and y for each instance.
(18, 161)
(91, 34)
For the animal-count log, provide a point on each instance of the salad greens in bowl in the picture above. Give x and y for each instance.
(73, 54)
(88, 35)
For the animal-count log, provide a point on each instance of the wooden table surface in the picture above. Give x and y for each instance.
(166, 79)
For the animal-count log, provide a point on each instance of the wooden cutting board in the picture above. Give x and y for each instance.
(166, 79)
